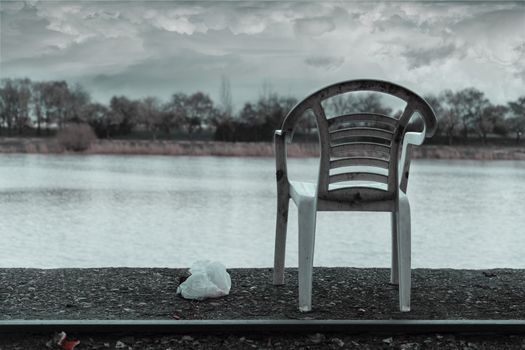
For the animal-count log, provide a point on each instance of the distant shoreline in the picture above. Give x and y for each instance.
(243, 149)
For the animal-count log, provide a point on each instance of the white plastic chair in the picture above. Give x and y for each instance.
(364, 166)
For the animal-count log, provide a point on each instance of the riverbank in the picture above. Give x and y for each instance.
(244, 149)
(338, 293)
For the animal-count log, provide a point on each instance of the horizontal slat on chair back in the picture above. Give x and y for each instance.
(359, 161)
(360, 131)
(360, 139)
(360, 148)
(374, 118)
(358, 176)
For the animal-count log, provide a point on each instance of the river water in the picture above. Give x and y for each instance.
(159, 211)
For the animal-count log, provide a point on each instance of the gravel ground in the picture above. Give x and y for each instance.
(338, 293)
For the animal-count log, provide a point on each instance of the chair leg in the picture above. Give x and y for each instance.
(404, 254)
(307, 217)
(280, 239)
(394, 275)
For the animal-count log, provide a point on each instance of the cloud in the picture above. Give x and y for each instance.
(247, 25)
(25, 34)
(520, 69)
(313, 26)
(325, 62)
(418, 57)
(181, 25)
(141, 47)
(162, 76)
(395, 22)
(93, 55)
(495, 35)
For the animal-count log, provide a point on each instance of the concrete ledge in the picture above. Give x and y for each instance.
(266, 326)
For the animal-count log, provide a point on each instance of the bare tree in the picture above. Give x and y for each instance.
(15, 97)
(449, 118)
(468, 105)
(76, 98)
(98, 117)
(225, 96)
(516, 121)
(199, 110)
(266, 89)
(149, 115)
(9, 98)
(24, 98)
(37, 99)
(191, 111)
(123, 113)
(338, 105)
(355, 103)
(489, 117)
(175, 111)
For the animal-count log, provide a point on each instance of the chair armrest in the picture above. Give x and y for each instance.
(426, 118)
(281, 173)
(410, 139)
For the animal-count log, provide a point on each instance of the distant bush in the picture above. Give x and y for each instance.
(76, 137)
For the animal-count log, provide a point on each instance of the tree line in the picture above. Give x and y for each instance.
(42, 108)
(468, 112)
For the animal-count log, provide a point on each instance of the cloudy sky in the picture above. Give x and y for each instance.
(141, 48)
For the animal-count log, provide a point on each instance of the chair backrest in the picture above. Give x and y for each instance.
(361, 146)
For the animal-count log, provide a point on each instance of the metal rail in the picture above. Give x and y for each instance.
(265, 326)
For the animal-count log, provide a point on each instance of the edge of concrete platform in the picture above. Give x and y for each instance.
(266, 326)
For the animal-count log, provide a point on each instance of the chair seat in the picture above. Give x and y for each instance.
(301, 190)
(373, 200)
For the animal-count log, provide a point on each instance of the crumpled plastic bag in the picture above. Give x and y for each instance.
(207, 280)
